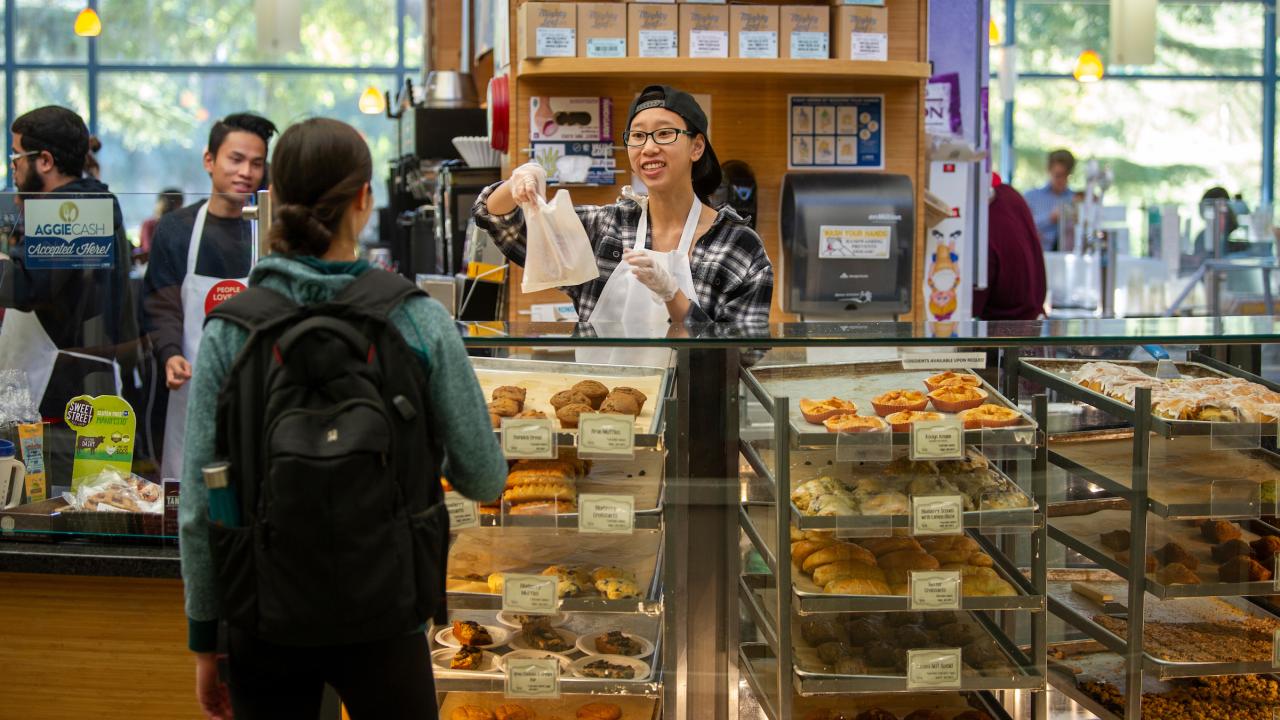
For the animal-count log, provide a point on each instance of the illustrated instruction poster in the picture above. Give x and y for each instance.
(836, 132)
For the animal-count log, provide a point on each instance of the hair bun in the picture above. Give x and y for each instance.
(304, 231)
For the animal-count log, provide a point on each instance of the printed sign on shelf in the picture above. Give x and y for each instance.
(533, 678)
(613, 514)
(933, 669)
(937, 515)
(104, 428)
(836, 132)
(463, 513)
(939, 440)
(528, 438)
(533, 594)
(69, 233)
(606, 435)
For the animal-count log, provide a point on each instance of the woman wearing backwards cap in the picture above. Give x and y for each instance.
(699, 264)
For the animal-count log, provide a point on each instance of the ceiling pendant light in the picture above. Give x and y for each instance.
(88, 24)
(372, 102)
(1088, 67)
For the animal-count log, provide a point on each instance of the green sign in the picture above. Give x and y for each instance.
(104, 428)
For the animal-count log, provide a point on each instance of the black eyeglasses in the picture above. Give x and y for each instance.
(661, 136)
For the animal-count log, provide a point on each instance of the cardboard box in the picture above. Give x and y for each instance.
(804, 32)
(861, 32)
(653, 30)
(753, 31)
(704, 31)
(602, 30)
(547, 29)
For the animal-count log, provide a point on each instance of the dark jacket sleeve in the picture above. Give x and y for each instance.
(162, 290)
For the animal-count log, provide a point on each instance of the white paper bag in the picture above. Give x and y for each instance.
(558, 253)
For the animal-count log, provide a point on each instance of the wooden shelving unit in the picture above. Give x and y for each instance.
(721, 68)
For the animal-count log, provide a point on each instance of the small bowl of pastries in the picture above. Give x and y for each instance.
(902, 421)
(957, 398)
(854, 423)
(990, 415)
(816, 411)
(952, 378)
(898, 401)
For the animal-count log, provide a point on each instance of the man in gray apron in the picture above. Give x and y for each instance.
(200, 256)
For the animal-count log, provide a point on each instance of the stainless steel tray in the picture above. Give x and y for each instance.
(544, 378)
(859, 382)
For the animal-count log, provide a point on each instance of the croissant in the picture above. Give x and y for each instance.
(804, 548)
(838, 551)
(846, 569)
(856, 586)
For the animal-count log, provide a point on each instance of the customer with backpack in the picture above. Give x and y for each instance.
(337, 393)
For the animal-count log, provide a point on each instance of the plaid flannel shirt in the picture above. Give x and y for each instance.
(732, 275)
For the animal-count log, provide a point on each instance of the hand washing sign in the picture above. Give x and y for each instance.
(69, 233)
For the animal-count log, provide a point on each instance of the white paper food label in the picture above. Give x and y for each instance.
(555, 42)
(533, 678)
(613, 514)
(944, 361)
(607, 47)
(535, 594)
(463, 513)
(936, 590)
(607, 435)
(933, 669)
(810, 46)
(531, 438)
(658, 43)
(1275, 648)
(937, 515)
(758, 44)
(709, 43)
(940, 440)
(868, 46)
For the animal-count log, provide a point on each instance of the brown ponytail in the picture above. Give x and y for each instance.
(318, 168)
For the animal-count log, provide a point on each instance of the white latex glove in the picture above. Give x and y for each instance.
(652, 275)
(528, 182)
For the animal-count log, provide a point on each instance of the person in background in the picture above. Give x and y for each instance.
(167, 201)
(91, 167)
(1201, 249)
(1016, 283)
(200, 255)
(1046, 201)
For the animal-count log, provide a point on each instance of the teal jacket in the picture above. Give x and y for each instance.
(473, 461)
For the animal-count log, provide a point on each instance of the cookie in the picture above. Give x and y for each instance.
(599, 711)
(471, 712)
(512, 711)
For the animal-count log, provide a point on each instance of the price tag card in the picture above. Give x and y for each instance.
(1275, 648)
(941, 440)
(944, 361)
(938, 590)
(533, 594)
(1275, 573)
(529, 438)
(933, 669)
(937, 515)
(613, 514)
(463, 513)
(533, 678)
(606, 435)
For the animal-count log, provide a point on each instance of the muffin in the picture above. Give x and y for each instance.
(621, 405)
(532, 415)
(568, 397)
(514, 392)
(635, 394)
(568, 415)
(595, 391)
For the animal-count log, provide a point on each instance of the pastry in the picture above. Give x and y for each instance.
(1151, 564)
(904, 618)
(469, 632)
(635, 394)
(838, 551)
(608, 670)
(955, 398)
(833, 652)
(595, 391)
(505, 407)
(884, 546)
(923, 714)
(807, 492)
(816, 411)
(495, 420)
(539, 491)
(911, 637)
(853, 423)
(972, 715)
(902, 421)
(908, 560)
(1176, 574)
(618, 588)
(496, 582)
(569, 397)
(550, 472)
(563, 506)
(1172, 553)
(470, 712)
(882, 654)
(1218, 531)
(615, 642)
(539, 635)
(856, 586)
(824, 574)
(620, 405)
(898, 401)
(956, 634)
(1231, 548)
(965, 557)
(951, 378)
(1243, 569)
(990, 415)
(512, 711)
(804, 548)
(1115, 540)
(1265, 549)
(610, 571)
(817, 632)
(949, 542)
(875, 714)
(531, 415)
(467, 658)
(986, 586)
(568, 415)
(513, 392)
(599, 711)
(886, 503)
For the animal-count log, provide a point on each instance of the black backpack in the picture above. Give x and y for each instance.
(343, 535)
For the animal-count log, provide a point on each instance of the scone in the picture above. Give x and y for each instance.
(470, 712)
(618, 588)
(505, 407)
(514, 392)
(611, 571)
(569, 397)
(599, 711)
(595, 391)
(568, 415)
(512, 711)
(1241, 569)
(495, 420)
(531, 415)
(621, 405)
(1218, 531)
(1176, 574)
(635, 394)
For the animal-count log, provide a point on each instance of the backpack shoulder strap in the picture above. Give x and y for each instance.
(254, 307)
(378, 292)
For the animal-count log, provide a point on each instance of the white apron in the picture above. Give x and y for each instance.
(195, 295)
(627, 307)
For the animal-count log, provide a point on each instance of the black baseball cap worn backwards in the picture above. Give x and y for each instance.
(706, 171)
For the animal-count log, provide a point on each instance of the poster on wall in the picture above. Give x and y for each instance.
(946, 272)
(835, 132)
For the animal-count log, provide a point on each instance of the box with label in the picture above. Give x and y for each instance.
(570, 119)
(653, 30)
(861, 32)
(704, 31)
(753, 31)
(602, 30)
(804, 32)
(547, 29)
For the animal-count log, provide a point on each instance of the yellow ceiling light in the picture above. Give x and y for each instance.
(994, 37)
(88, 24)
(372, 102)
(1088, 67)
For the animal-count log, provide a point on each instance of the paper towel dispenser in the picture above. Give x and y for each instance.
(847, 242)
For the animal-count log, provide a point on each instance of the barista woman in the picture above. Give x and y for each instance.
(699, 264)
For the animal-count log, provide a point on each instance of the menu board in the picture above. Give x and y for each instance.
(835, 132)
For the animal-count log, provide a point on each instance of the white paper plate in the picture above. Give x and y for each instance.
(508, 619)
(565, 660)
(518, 643)
(441, 658)
(587, 645)
(642, 667)
(500, 637)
